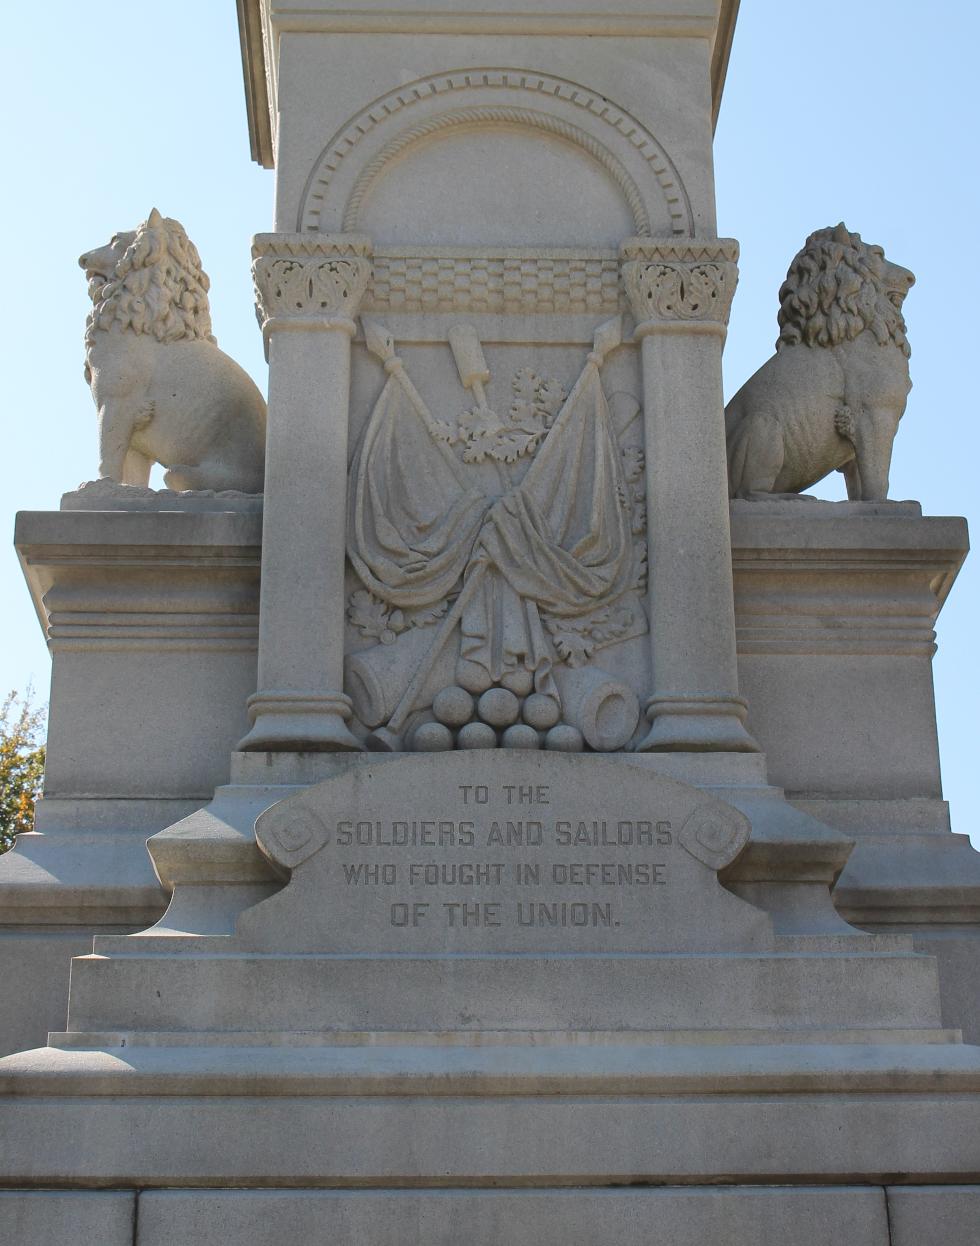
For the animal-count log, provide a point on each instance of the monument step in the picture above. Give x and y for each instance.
(681, 1216)
(460, 1118)
(564, 1065)
(239, 992)
(77, 1040)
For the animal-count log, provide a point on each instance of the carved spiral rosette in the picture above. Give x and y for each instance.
(309, 280)
(691, 282)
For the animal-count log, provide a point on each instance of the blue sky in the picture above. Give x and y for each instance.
(862, 110)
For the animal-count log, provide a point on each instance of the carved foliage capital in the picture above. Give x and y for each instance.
(691, 281)
(309, 278)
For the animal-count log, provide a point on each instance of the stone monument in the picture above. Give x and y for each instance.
(549, 820)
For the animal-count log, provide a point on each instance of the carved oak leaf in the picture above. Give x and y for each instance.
(551, 396)
(509, 445)
(478, 422)
(443, 432)
(525, 416)
(573, 647)
(611, 624)
(373, 619)
(536, 401)
(634, 463)
(524, 383)
(423, 616)
(479, 447)
(486, 436)
(640, 566)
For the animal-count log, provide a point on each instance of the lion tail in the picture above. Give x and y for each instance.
(738, 448)
(733, 414)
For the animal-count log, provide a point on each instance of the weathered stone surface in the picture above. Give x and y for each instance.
(957, 952)
(945, 1215)
(34, 971)
(229, 993)
(460, 1139)
(43, 1217)
(743, 1217)
(110, 495)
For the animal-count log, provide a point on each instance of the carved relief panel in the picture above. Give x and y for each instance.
(496, 524)
(497, 549)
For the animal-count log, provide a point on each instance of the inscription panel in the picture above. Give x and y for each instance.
(501, 853)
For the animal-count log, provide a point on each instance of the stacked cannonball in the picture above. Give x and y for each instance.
(500, 717)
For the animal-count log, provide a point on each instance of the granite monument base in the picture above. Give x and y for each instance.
(678, 1215)
(500, 990)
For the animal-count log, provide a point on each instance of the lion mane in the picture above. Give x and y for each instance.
(833, 293)
(158, 287)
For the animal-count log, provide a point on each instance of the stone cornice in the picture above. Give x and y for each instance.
(143, 580)
(261, 21)
(721, 53)
(841, 577)
(256, 82)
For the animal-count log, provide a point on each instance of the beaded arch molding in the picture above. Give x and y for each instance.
(628, 131)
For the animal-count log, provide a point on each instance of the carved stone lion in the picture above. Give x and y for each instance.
(832, 395)
(164, 391)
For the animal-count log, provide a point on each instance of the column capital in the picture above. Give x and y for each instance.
(309, 281)
(680, 285)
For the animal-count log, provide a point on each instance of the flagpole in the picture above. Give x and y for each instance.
(381, 344)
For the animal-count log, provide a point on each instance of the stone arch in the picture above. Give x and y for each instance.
(489, 115)
(631, 156)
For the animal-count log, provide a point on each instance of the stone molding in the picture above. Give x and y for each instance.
(139, 581)
(259, 32)
(502, 280)
(304, 282)
(541, 87)
(566, 19)
(685, 287)
(293, 702)
(873, 590)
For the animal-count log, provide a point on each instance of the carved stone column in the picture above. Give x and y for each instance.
(680, 294)
(308, 289)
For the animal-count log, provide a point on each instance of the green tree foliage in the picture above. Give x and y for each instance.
(21, 765)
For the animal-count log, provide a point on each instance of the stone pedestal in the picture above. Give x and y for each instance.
(836, 605)
(151, 619)
(499, 971)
